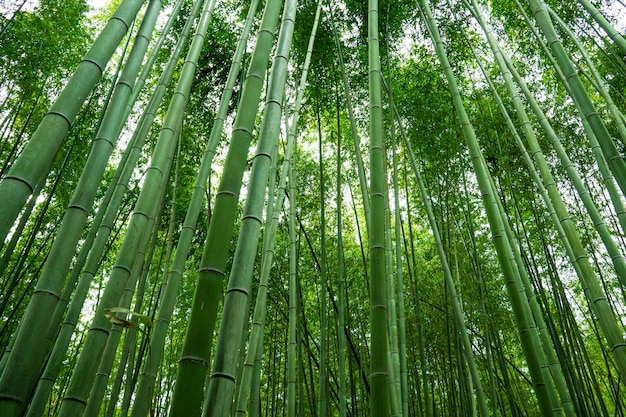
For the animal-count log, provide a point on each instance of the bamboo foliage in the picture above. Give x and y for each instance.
(34, 162)
(517, 206)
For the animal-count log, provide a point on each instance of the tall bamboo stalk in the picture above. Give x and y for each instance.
(269, 235)
(154, 186)
(353, 129)
(293, 297)
(235, 313)
(341, 321)
(34, 162)
(192, 367)
(531, 347)
(379, 371)
(323, 352)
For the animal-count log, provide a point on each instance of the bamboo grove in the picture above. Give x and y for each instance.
(312, 208)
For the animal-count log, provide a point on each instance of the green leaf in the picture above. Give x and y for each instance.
(141, 317)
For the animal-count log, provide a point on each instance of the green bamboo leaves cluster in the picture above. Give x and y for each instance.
(34, 162)
(309, 337)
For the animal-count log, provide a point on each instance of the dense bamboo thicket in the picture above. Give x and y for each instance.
(303, 208)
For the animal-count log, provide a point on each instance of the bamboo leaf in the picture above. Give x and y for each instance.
(141, 317)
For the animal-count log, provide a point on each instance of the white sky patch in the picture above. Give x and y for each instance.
(97, 4)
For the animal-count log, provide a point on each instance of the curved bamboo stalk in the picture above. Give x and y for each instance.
(33, 163)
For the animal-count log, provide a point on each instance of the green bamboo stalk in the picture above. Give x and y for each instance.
(258, 321)
(92, 250)
(537, 313)
(235, 314)
(341, 321)
(192, 368)
(96, 395)
(293, 295)
(157, 340)
(255, 389)
(579, 94)
(524, 321)
(274, 207)
(323, 346)
(404, 388)
(379, 367)
(619, 40)
(57, 265)
(392, 322)
(561, 217)
(154, 53)
(580, 187)
(139, 272)
(424, 385)
(34, 161)
(587, 276)
(145, 209)
(392, 271)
